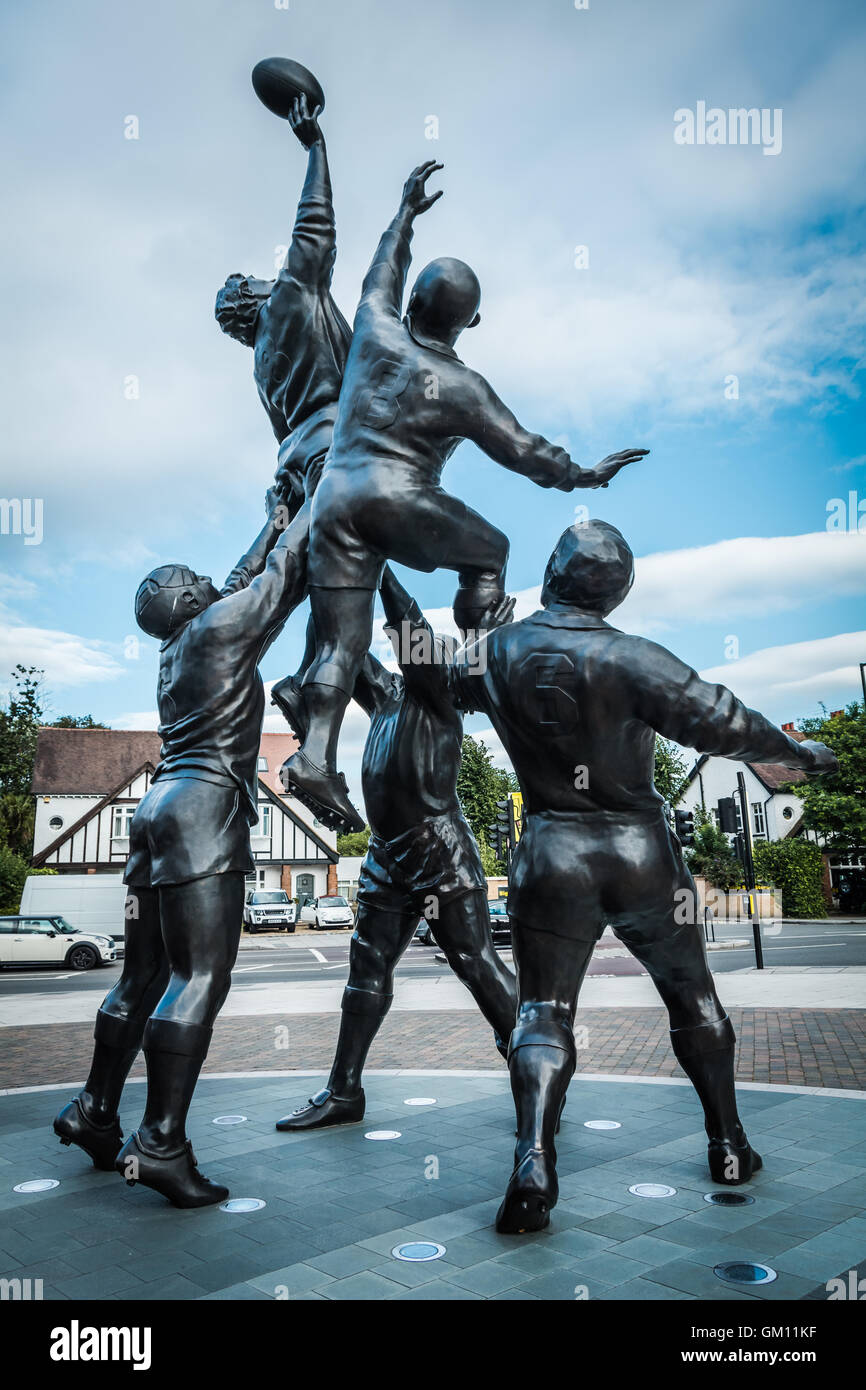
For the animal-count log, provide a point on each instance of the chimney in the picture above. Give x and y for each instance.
(788, 728)
(835, 713)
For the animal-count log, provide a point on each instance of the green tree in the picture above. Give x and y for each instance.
(479, 786)
(354, 842)
(712, 855)
(20, 718)
(795, 868)
(14, 870)
(76, 721)
(670, 772)
(835, 806)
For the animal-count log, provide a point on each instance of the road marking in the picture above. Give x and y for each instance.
(318, 955)
(245, 969)
(770, 945)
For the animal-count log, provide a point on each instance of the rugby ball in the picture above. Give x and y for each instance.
(278, 81)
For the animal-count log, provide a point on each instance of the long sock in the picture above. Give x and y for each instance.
(324, 706)
(706, 1055)
(539, 1079)
(362, 1015)
(100, 1096)
(171, 1079)
(117, 1039)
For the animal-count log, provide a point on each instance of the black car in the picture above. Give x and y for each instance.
(500, 925)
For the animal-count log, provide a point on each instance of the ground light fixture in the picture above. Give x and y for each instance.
(418, 1251)
(36, 1185)
(652, 1189)
(235, 1205)
(745, 1272)
(382, 1134)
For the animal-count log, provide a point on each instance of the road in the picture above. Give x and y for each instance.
(275, 958)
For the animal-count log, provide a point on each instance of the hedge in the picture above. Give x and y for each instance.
(795, 868)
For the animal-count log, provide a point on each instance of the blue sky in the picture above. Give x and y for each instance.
(556, 129)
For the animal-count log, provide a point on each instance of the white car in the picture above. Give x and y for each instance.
(269, 907)
(52, 941)
(331, 912)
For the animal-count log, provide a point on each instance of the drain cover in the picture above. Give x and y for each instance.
(36, 1185)
(420, 1100)
(738, 1272)
(728, 1199)
(235, 1204)
(230, 1120)
(602, 1124)
(417, 1251)
(652, 1189)
(382, 1134)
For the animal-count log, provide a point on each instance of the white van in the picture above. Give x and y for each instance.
(88, 902)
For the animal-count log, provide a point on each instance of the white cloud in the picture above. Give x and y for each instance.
(66, 659)
(795, 674)
(750, 577)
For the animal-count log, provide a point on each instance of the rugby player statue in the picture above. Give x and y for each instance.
(422, 860)
(189, 855)
(407, 401)
(577, 705)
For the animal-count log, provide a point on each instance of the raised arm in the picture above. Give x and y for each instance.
(255, 613)
(674, 701)
(385, 281)
(253, 562)
(491, 425)
(310, 257)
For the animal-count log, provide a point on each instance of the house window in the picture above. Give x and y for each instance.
(262, 764)
(56, 822)
(121, 821)
(759, 825)
(263, 826)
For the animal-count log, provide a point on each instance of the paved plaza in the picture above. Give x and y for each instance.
(337, 1203)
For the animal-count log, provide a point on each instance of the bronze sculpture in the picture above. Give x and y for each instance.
(407, 401)
(422, 860)
(577, 705)
(189, 854)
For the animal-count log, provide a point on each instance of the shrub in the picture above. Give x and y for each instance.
(795, 868)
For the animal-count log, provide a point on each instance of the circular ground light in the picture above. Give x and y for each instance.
(382, 1134)
(230, 1120)
(238, 1204)
(739, 1272)
(420, 1100)
(602, 1124)
(728, 1199)
(417, 1251)
(36, 1185)
(652, 1189)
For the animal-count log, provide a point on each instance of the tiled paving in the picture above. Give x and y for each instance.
(797, 1047)
(337, 1203)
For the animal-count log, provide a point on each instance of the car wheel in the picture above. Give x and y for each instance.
(82, 958)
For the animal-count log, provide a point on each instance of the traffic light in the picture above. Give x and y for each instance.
(728, 820)
(503, 827)
(494, 839)
(684, 826)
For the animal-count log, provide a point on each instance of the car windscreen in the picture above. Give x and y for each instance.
(259, 898)
(333, 902)
(60, 924)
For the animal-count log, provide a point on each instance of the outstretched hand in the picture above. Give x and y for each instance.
(610, 466)
(305, 123)
(415, 197)
(824, 760)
